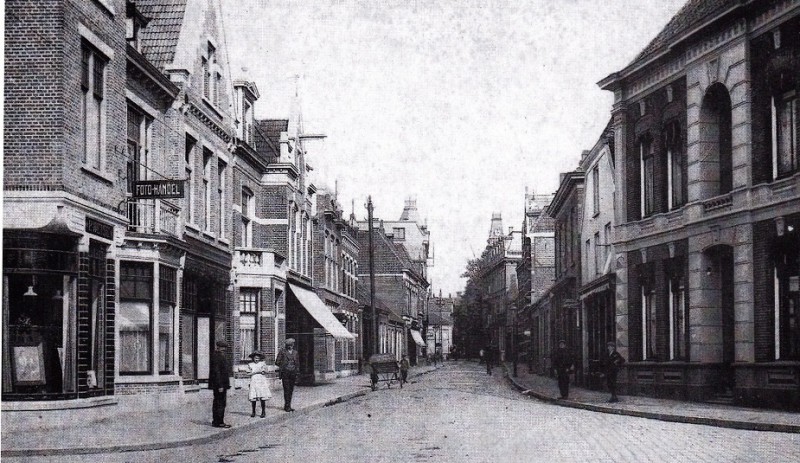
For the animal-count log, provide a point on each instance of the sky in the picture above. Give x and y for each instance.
(458, 104)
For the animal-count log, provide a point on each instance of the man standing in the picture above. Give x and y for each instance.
(488, 357)
(404, 366)
(219, 382)
(562, 364)
(613, 360)
(288, 363)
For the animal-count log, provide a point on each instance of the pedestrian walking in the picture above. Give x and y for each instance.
(288, 363)
(219, 381)
(481, 355)
(563, 366)
(404, 366)
(613, 360)
(259, 386)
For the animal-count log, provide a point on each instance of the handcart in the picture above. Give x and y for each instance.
(384, 367)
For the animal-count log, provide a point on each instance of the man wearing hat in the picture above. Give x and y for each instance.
(562, 364)
(612, 362)
(288, 363)
(219, 382)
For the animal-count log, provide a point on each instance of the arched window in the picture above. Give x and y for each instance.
(716, 169)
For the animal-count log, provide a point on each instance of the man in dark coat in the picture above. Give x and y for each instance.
(562, 364)
(612, 362)
(219, 382)
(288, 363)
(488, 357)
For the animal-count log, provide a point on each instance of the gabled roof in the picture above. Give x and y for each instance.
(266, 148)
(363, 300)
(160, 37)
(272, 128)
(693, 14)
(389, 257)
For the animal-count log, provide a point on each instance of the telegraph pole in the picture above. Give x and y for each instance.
(374, 328)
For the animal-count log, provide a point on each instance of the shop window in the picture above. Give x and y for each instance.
(248, 321)
(677, 319)
(135, 318)
(188, 328)
(97, 313)
(93, 118)
(787, 296)
(168, 289)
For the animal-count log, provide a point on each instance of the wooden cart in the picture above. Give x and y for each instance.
(384, 367)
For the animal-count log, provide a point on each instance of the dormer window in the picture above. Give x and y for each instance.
(134, 23)
(210, 76)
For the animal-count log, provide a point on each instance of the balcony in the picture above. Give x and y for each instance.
(153, 217)
(252, 264)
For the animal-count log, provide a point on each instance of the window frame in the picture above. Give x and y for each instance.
(93, 106)
(141, 276)
(791, 98)
(647, 176)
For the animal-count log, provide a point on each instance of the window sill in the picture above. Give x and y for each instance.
(225, 241)
(98, 174)
(193, 227)
(208, 234)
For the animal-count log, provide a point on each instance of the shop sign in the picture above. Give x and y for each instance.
(101, 229)
(157, 189)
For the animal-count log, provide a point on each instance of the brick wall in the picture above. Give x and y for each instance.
(763, 289)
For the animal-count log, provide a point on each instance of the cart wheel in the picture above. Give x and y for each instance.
(388, 384)
(401, 384)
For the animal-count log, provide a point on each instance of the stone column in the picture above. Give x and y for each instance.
(744, 302)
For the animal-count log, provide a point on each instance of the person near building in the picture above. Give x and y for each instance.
(259, 386)
(219, 382)
(613, 360)
(288, 363)
(404, 366)
(563, 366)
(488, 357)
(481, 355)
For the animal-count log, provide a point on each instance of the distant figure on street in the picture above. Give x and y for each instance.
(488, 357)
(219, 381)
(613, 360)
(288, 363)
(481, 356)
(404, 366)
(259, 386)
(563, 366)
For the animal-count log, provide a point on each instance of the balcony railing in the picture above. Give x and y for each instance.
(717, 203)
(153, 216)
(250, 258)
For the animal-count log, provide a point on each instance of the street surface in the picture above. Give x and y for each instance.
(458, 414)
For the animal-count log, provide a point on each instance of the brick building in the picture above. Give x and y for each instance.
(596, 293)
(536, 273)
(565, 314)
(336, 251)
(708, 204)
(64, 189)
(401, 285)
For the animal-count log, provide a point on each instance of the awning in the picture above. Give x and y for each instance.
(417, 337)
(314, 305)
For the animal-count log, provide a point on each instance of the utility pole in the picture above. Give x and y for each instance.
(374, 328)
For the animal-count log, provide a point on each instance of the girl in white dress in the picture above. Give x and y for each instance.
(259, 386)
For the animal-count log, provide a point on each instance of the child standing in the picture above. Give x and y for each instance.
(404, 366)
(259, 386)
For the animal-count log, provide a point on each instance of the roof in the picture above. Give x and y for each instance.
(363, 300)
(160, 37)
(389, 256)
(693, 13)
(272, 128)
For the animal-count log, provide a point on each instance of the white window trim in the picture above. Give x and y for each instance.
(96, 41)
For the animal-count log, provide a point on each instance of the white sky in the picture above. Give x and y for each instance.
(460, 104)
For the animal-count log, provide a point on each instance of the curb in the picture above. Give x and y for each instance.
(215, 436)
(717, 422)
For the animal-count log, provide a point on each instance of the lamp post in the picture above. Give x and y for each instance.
(514, 342)
(374, 324)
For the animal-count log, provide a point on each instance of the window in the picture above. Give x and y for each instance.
(248, 320)
(248, 210)
(97, 317)
(209, 77)
(677, 319)
(247, 124)
(598, 269)
(168, 297)
(92, 108)
(784, 135)
(787, 299)
(588, 252)
(647, 176)
(135, 317)
(399, 233)
(674, 144)
(606, 241)
(207, 157)
(189, 151)
(138, 146)
(596, 189)
(221, 166)
(217, 86)
(648, 324)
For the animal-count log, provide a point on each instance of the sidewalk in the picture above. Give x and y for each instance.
(127, 427)
(546, 389)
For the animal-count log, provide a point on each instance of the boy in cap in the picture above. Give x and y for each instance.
(288, 363)
(219, 382)
(562, 364)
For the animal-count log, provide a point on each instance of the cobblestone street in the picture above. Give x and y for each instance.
(459, 413)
